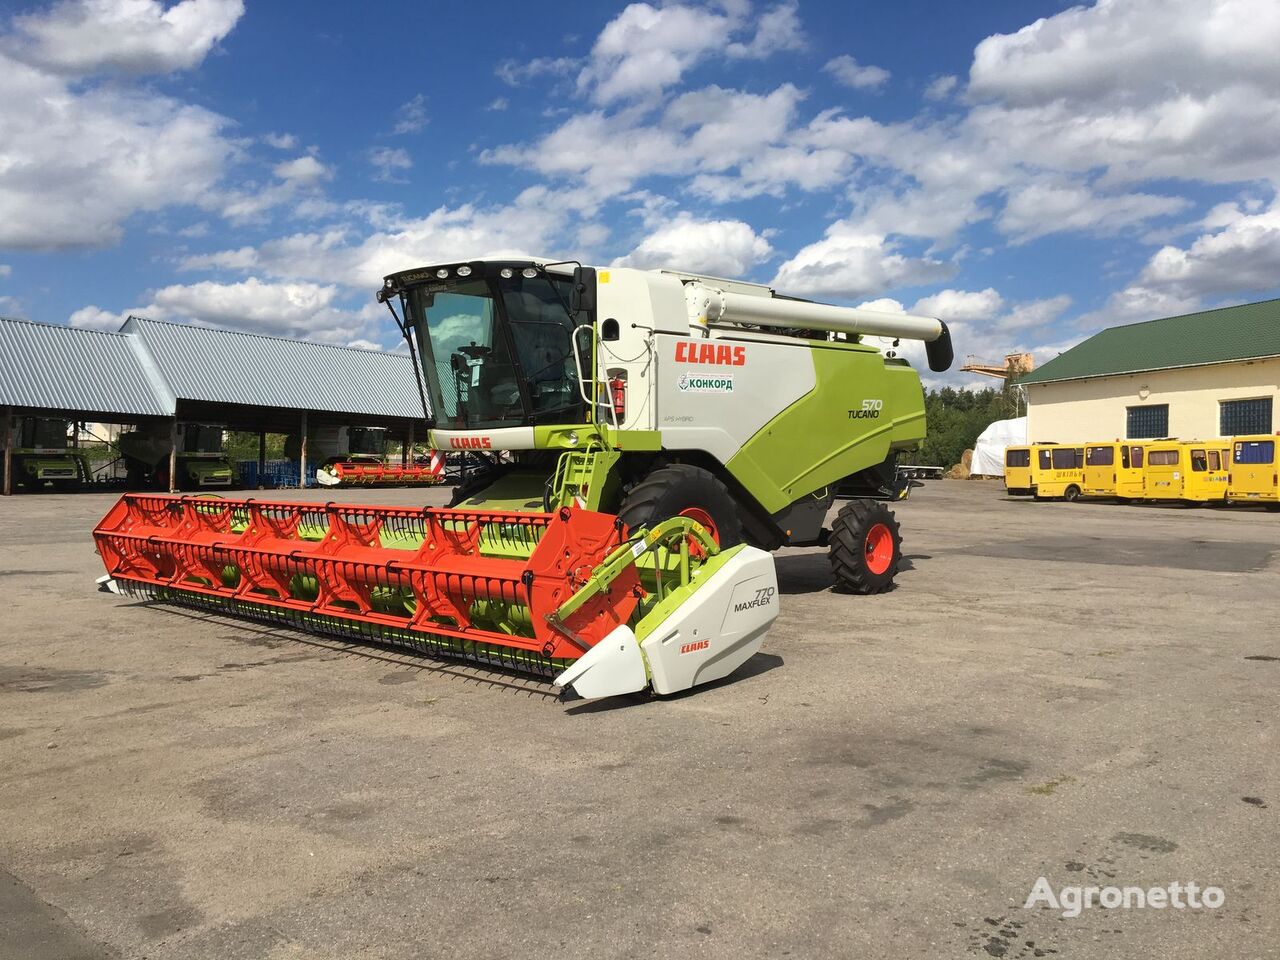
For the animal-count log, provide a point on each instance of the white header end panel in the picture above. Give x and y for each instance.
(719, 628)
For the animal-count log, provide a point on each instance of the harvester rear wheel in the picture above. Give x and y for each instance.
(681, 489)
(866, 547)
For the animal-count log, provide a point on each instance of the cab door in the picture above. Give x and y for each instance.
(1164, 473)
(1100, 471)
(1130, 472)
(1253, 469)
(1197, 482)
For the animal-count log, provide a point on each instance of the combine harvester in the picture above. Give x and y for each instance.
(662, 432)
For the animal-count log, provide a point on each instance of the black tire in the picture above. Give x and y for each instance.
(673, 489)
(853, 552)
(1071, 494)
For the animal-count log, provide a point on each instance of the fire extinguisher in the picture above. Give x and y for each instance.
(618, 390)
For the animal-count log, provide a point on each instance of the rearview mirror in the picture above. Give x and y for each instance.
(583, 296)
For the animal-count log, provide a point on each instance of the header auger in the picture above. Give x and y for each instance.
(645, 438)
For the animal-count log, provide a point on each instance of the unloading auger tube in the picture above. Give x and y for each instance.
(570, 594)
(712, 305)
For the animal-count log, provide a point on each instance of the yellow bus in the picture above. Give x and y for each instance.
(1113, 470)
(1253, 471)
(1017, 471)
(1190, 470)
(1044, 471)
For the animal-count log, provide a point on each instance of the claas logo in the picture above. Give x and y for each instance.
(471, 443)
(719, 354)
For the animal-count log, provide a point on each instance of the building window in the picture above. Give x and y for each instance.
(1147, 423)
(1239, 418)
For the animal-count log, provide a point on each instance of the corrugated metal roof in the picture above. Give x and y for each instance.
(227, 366)
(1246, 332)
(66, 368)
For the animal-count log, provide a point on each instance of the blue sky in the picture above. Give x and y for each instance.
(1028, 171)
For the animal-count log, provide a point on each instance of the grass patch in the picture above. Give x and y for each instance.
(1046, 789)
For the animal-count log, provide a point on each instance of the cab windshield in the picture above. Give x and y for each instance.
(497, 352)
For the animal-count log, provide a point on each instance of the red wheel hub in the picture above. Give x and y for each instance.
(879, 548)
(704, 520)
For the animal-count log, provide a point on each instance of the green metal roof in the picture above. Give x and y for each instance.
(1246, 332)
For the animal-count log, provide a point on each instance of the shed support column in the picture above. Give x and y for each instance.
(302, 454)
(406, 451)
(8, 451)
(173, 455)
(262, 458)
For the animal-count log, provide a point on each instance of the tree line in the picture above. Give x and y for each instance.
(955, 419)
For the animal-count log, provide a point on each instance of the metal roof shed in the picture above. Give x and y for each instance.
(61, 370)
(259, 382)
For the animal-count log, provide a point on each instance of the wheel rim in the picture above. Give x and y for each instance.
(879, 548)
(703, 518)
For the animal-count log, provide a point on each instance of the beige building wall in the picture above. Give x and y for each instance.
(1077, 411)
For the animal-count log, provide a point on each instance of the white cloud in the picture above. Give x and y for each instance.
(849, 72)
(498, 104)
(242, 259)
(1037, 315)
(645, 49)
(734, 144)
(940, 88)
(389, 162)
(727, 248)
(959, 305)
(302, 171)
(515, 74)
(299, 184)
(77, 37)
(1145, 88)
(95, 318)
(1241, 258)
(533, 225)
(81, 157)
(412, 116)
(76, 164)
(5, 270)
(280, 141)
(1041, 207)
(304, 310)
(848, 264)
(777, 29)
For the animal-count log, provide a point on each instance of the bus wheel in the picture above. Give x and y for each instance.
(1071, 494)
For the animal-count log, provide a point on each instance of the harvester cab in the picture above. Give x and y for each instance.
(200, 458)
(646, 439)
(42, 455)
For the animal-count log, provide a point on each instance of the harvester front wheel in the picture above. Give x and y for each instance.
(866, 547)
(683, 490)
